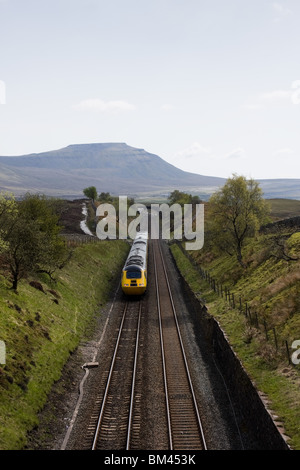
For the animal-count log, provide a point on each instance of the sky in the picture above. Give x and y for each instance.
(211, 86)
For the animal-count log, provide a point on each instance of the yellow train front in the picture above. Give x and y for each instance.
(134, 275)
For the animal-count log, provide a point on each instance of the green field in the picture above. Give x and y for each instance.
(42, 325)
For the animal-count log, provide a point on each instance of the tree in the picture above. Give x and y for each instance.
(105, 197)
(24, 250)
(179, 197)
(236, 212)
(7, 208)
(90, 192)
(32, 237)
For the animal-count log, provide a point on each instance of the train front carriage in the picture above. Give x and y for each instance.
(134, 276)
(134, 281)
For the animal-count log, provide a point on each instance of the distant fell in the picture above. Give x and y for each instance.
(116, 168)
(113, 167)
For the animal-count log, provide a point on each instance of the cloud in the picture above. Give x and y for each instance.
(2, 91)
(192, 158)
(296, 92)
(275, 97)
(284, 152)
(286, 155)
(280, 9)
(193, 151)
(254, 106)
(105, 106)
(167, 107)
(236, 154)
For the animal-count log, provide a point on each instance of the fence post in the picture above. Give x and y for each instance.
(249, 314)
(266, 331)
(275, 338)
(288, 351)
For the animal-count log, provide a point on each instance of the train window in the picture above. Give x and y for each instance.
(133, 274)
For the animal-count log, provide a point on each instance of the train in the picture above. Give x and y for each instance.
(134, 273)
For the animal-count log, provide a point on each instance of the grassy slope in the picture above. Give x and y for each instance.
(40, 329)
(271, 288)
(284, 208)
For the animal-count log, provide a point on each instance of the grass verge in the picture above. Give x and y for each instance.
(270, 372)
(42, 325)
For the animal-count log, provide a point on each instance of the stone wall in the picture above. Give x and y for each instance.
(290, 223)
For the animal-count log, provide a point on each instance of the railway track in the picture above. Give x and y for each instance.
(185, 429)
(116, 420)
(113, 424)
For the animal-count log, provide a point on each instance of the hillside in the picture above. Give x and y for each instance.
(284, 208)
(116, 168)
(258, 309)
(42, 325)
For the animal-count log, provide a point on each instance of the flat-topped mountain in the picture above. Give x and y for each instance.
(111, 167)
(116, 168)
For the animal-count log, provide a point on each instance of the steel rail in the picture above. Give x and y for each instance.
(130, 417)
(109, 380)
(163, 357)
(183, 352)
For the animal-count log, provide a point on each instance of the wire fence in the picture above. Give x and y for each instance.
(74, 239)
(253, 319)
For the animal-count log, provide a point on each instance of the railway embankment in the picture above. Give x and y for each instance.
(254, 359)
(42, 326)
(248, 404)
